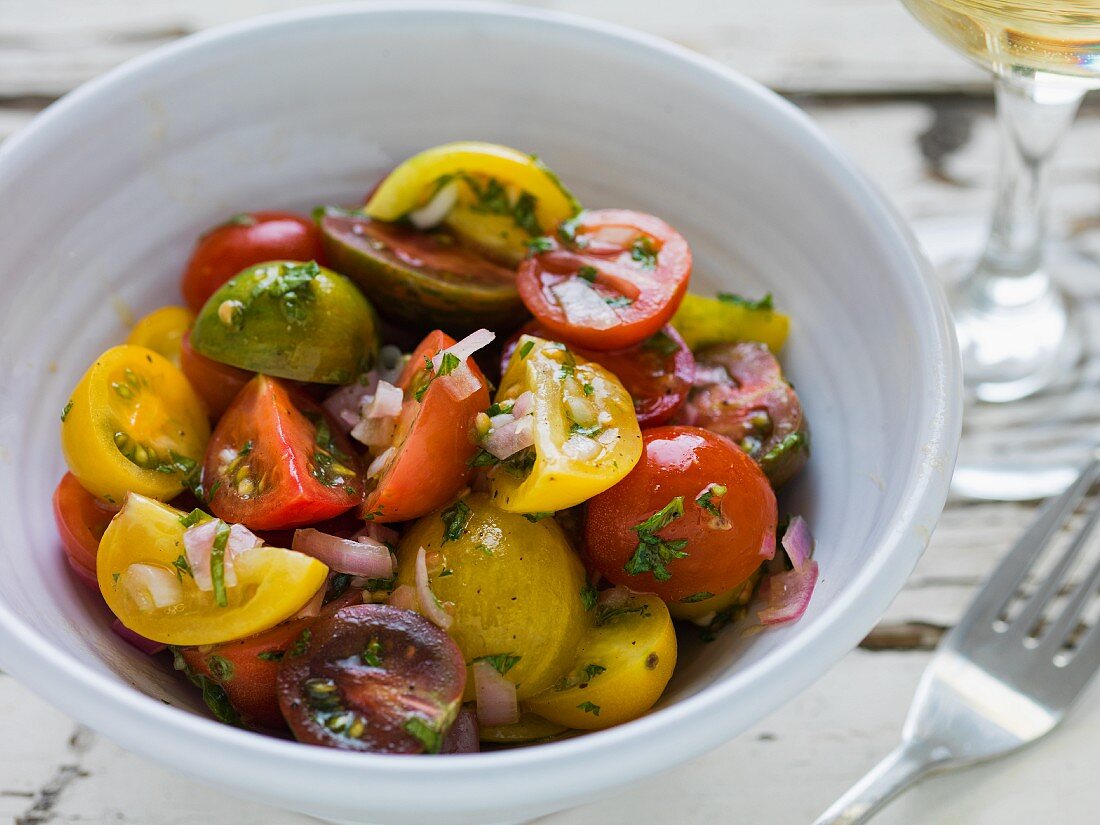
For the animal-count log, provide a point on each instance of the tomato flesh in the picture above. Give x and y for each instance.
(373, 678)
(433, 444)
(657, 373)
(243, 241)
(609, 280)
(217, 384)
(81, 521)
(276, 461)
(725, 537)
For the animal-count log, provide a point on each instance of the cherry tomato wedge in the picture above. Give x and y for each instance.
(657, 373)
(247, 669)
(373, 678)
(81, 521)
(694, 518)
(610, 279)
(217, 384)
(433, 444)
(276, 460)
(246, 240)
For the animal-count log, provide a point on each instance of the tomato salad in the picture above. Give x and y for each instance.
(442, 469)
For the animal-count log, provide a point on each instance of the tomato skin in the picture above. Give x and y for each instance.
(81, 520)
(279, 489)
(243, 241)
(657, 382)
(603, 240)
(249, 680)
(434, 443)
(217, 384)
(684, 461)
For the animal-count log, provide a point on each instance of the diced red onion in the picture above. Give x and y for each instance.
(798, 542)
(404, 597)
(365, 557)
(462, 383)
(767, 546)
(608, 436)
(580, 447)
(786, 595)
(524, 404)
(151, 586)
(707, 375)
(582, 305)
(374, 432)
(312, 608)
(345, 403)
(146, 646)
(379, 464)
(240, 539)
(510, 438)
(429, 604)
(198, 543)
(386, 402)
(378, 532)
(496, 696)
(500, 420)
(463, 349)
(464, 735)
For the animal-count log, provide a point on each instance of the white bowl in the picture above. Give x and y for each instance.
(103, 195)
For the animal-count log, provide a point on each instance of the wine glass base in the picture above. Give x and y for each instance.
(1033, 446)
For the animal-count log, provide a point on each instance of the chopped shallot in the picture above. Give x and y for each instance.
(198, 543)
(524, 404)
(379, 464)
(151, 586)
(798, 542)
(582, 305)
(767, 546)
(386, 402)
(580, 447)
(429, 604)
(786, 595)
(508, 439)
(435, 210)
(496, 696)
(345, 403)
(378, 532)
(462, 383)
(363, 557)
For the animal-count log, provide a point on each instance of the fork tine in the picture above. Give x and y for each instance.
(1059, 632)
(1012, 570)
(1082, 667)
(1033, 608)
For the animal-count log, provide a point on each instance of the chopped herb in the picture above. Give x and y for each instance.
(114, 577)
(525, 350)
(289, 284)
(455, 518)
(380, 585)
(220, 668)
(643, 251)
(66, 410)
(588, 707)
(484, 549)
(523, 213)
(661, 342)
(301, 644)
(448, 363)
(589, 595)
(501, 662)
(213, 694)
(706, 499)
(539, 244)
(764, 303)
(109, 498)
(446, 571)
(697, 597)
(483, 458)
(337, 587)
(217, 563)
(422, 730)
(372, 515)
(498, 409)
(605, 613)
(794, 441)
(319, 212)
(592, 671)
(372, 653)
(588, 389)
(245, 449)
(519, 464)
(196, 516)
(595, 429)
(567, 231)
(618, 301)
(240, 219)
(589, 273)
(568, 367)
(653, 553)
(534, 518)
(271, 655)
(182, 566)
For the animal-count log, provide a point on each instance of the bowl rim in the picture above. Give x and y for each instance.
(687, 728)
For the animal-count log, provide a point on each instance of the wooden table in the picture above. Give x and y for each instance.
(918, 120)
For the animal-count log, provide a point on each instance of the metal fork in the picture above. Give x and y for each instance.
(995, 683)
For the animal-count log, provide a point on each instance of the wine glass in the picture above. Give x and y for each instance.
(1017, 331)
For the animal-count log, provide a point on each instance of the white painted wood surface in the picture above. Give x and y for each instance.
(887, 92)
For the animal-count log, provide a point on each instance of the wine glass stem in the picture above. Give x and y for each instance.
(1033, 118)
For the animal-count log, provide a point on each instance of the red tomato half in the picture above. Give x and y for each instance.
(657, 373)
(81, 519)
(433, 444)
(243, 241)
(611, 278)
(658, 530)
(216, 383)
(276, 460)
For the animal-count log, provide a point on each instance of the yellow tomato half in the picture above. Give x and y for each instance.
(621, 668)
(162, 331)
(704, 321)
(574, 460)
(133, 423)
(496, 197)
(272, 584)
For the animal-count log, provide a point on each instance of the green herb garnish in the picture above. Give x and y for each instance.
(196, 516)
(653, 553)
(271, 655)
(220, 668)
(535, 518)
(592, 671)
(588, 707)
(182, 566)
(525, 350)
(372, 653)
(539, 244)
(589, 273)
(455, 519)
(501, 662)
(697, 597)
(643, 251)
(301, 644)
(423, 731)
(217, 563)
(661, 342)
(589, 595)
(706, 499)
(741, 301)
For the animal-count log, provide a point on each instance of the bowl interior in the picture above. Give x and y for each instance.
(101, 208)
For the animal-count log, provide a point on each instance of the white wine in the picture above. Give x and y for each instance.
(1059, 37)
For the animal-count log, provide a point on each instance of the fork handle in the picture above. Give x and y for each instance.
(904, 766)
